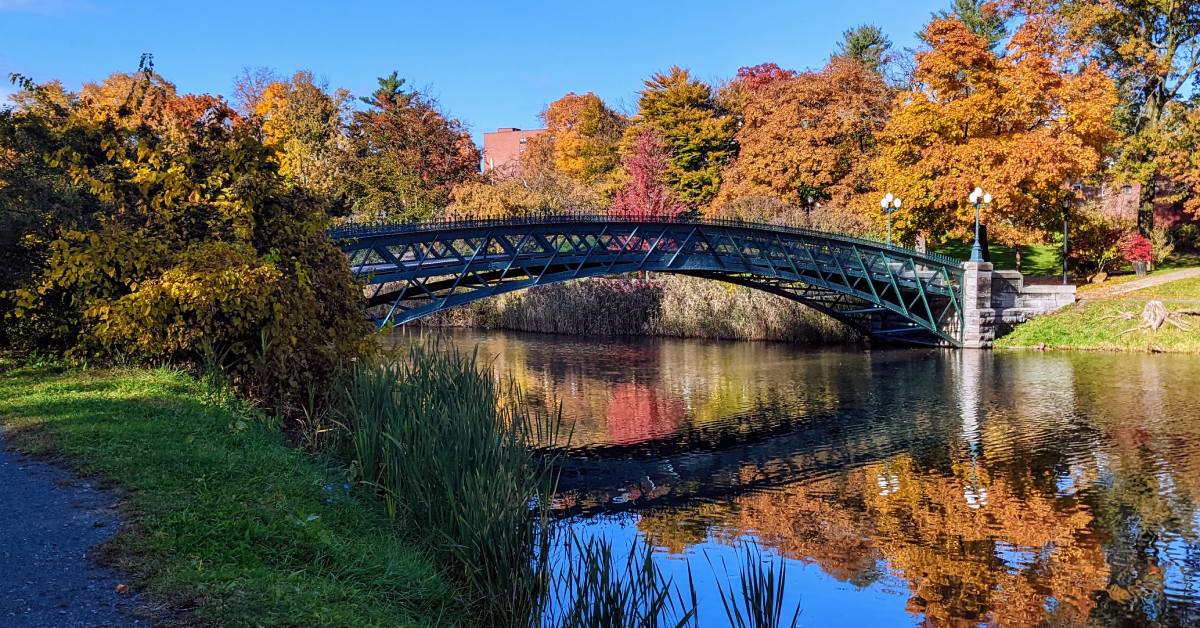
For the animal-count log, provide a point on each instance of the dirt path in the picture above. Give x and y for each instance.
(49, 521)
(1148, 282)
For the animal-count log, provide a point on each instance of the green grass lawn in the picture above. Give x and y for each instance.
(1097, 325)
(1180, 259)
(1042, 260)
(222, 518)
(1036, 259)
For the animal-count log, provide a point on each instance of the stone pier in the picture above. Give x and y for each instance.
(995, 301)
(979, 318)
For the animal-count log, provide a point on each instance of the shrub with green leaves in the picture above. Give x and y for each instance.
(165, 234)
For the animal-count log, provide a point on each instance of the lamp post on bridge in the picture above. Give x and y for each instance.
(889, 203)
(979, 199)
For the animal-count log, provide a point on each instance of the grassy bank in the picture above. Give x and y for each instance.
(1098, 325)
(223, 519)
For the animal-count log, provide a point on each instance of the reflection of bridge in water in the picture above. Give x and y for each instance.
(886, 292)
(753, 451)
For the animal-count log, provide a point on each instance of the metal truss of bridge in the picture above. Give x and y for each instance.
(886, 292)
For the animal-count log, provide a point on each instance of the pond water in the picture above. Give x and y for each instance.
(900, 486)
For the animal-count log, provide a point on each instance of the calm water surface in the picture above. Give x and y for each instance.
(901, 487)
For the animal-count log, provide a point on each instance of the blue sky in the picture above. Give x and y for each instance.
(490, 64)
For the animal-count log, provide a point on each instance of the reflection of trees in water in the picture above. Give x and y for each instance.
(1019, 553)
(674, 530)
(637, 412)
(1151, 477)
(1016, 489)
(1023, 552)
(1081, 489)
(708, 382)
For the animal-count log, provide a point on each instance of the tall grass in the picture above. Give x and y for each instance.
(660, 305)
(595, 589)
(430, 433)
(455, 454)
(758, 603)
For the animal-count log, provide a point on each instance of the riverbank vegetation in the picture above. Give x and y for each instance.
(432, 434)
(1115, 323)
(443, 515)
(223, 521)
(671, 306)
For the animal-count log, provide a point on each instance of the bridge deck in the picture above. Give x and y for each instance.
(884, 291)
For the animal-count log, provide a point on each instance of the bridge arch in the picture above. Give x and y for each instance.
(885, 292)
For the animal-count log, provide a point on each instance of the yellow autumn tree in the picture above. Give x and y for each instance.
(1024, 126)
(129, 99)
(585, 135)
(165, 236)
(302, 122)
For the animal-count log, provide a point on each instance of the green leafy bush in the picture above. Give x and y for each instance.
(189, 247)
(1094, 244)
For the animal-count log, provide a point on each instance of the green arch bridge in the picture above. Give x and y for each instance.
(888, 293)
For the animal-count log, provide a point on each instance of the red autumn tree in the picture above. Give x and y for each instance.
(645, 193)
(761, 75)
(1135, 247)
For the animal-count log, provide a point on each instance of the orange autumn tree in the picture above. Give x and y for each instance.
(1023, 126)
(810, 135)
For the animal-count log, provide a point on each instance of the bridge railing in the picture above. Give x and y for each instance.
(361, 230)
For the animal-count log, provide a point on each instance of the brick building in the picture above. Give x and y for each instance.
(504, 145)
(1122, 200)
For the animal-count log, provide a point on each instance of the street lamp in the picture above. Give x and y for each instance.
(1068, 201)
(889, 203)
(979, 199)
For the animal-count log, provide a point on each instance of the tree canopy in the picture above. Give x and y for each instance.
(982, 17)
(867, 45)
(407, 155)
(1022, 126)
(585, 136)
(303, 123)
(697, 133)
(1151, 49)
(810, 136)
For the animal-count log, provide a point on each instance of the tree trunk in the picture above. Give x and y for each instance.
(1145, 216)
